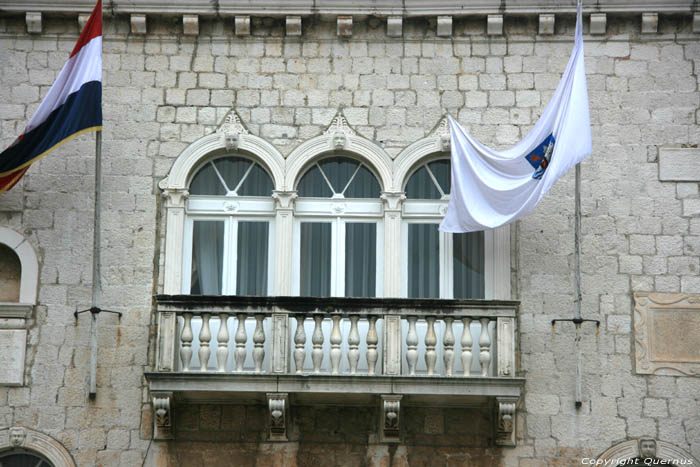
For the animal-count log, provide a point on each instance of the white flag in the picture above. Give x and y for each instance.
(492, 188)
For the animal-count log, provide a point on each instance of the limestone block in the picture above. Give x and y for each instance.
(344, 26)
(650, 23)
(494, 25)
(242, 25)
(82, 20)
(190, 25)
(394, 26)
(598, 23)
(138, 24)
(293, 25)
(546, 24)
(444, 26)
(679, 164)
(33, 20)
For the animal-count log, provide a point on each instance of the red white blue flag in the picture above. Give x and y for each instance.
(73, 106)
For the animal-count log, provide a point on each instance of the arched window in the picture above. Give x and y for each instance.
(438, 264)
(18, 458)
(10, 274)
(338, 234)
(229, 240)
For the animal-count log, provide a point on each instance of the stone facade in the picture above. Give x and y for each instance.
(163, 90)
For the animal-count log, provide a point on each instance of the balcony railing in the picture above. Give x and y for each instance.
(450, 350)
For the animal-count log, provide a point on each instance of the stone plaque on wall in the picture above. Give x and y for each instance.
(666, 333)
(12, 348)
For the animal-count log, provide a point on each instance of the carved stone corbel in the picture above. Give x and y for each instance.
(505, 421)
(162, 415)
(390, 418)
(278, 407)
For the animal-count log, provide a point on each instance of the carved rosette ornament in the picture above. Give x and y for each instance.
(162, 420)
(505, 421)
(390, 422)
(231, 130)
(277, 405)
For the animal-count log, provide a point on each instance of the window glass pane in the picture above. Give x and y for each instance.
(441, 171)
(257, 183)
(312, 184)
(315, 256)
(207, 257)
(423, 261)
(468, 264)
(364, 185)
(360, 259)
(206, 182)
(338, 170)
(251, 270)
(232, 170)
(17, 459)
(421, 186)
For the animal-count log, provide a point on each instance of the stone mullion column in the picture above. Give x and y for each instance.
(175, 217)
(392, 243)
(284, 228)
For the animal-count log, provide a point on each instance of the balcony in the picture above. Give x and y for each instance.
(396, 353)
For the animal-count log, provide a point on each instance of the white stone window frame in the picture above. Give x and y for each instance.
(14, 315)
(496, 241)
(180, 212)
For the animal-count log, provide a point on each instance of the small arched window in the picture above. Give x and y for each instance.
(438, 264)
(228, 230)
(10, 274)
(338, 230)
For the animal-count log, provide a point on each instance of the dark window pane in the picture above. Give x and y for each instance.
(364, 185)
(338, 170)
(251, 271)
(257, 183)
(207, 257)
(423, 261)
(206, 182)
(232, 170)
(441, 170)
(312, 184)
(360, 259)
(315, 259)
(22, 460)
(421, 186)
(468, 265)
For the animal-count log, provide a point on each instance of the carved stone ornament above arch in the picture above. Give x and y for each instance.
(29, 277)
(231, 135)
(18, 437)
(339, 137)
(437, 141)
(634, 448)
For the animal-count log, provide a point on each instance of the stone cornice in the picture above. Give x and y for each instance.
(406, 8)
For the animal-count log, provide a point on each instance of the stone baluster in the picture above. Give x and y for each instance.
(448, 343)
(186, 343)
(241, 339)
(222, 338)
(430, 343)
(259, 342)
(467, 346)
(484, 347)
(336, 340)
(353, 344)
(299, 343)
(317, 341)
(204, 339)
(372, 340)
(412, 345)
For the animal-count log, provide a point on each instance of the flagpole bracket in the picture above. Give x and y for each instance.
(95, 310)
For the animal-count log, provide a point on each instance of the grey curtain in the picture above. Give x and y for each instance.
(360, 259)
(257, 183)
(251, 271)
(423, 261)
(207, 256)
(468, 265)
(421, 186)
(315, 259)
(207, 183)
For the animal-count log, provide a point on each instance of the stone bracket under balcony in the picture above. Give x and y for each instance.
(393, 354)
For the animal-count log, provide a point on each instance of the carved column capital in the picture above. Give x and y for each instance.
(162, 415)
(505, 421)
(284, 200)
(278, 407)
(175, 197)
(390, 418)
(392, 200)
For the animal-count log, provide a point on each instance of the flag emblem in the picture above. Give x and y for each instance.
(540, 157)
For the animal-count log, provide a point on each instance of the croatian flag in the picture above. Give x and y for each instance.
(73, 106)
(492, 188)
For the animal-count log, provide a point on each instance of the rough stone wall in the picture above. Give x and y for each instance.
(163, 91)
